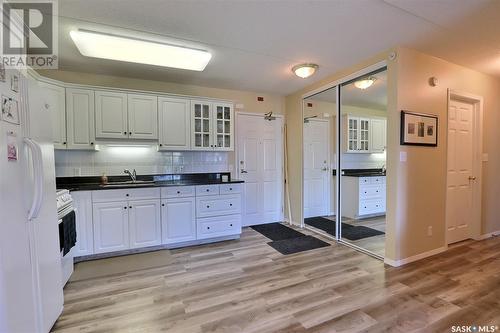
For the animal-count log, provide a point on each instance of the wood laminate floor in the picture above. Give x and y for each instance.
(246, 286)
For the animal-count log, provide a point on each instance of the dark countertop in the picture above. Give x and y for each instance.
(362, 173)
(94, 183)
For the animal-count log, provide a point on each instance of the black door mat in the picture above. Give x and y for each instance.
(325, 224)
(276, 231)
(360, 232)
(298, 244)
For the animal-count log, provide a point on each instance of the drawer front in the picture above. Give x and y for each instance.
(230, 188)
(211, 227)
(178, 192)
(218, 205)
(372, 191)
(371, 206)
(207, 190)
(378, 180)
(125, 194)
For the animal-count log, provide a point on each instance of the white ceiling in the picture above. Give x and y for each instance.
(255, 43)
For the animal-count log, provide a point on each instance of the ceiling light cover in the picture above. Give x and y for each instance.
(105, 46)
(305, 70)
(365, 83)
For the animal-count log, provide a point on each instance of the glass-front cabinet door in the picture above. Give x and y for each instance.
(223, 120)
(364, 135)
(202, 125)
(352, 134)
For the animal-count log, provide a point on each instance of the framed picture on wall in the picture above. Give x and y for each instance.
(419, 129)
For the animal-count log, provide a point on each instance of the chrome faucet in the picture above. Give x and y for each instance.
(133, 174)
(384, 169)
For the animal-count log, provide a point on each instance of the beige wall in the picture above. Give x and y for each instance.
(273, 103)
(420, 192)
(416, 189)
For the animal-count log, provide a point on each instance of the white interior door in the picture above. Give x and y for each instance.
(260, 165)
(460, 176)
(316, 168)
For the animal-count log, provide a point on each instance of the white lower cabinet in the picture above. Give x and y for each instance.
(122, 219)
(363, 196)
(82, 202)
(144, 223)
(178, 220)
(111, 227)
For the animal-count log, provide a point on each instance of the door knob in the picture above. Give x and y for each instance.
(472, 178)
(243, 171)
(324, 169)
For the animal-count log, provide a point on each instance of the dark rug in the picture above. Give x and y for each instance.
(349, 231)
(325, 224)
(298, 244)
(276, 231)
(360, 232)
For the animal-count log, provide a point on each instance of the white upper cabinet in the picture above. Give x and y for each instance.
(80, 123)
(223, 126)
(201, 126)
(55, 97)
(111, 116)
(143, 116)
(174, 123)
(378, 139)
(212, 126)
(364, 134)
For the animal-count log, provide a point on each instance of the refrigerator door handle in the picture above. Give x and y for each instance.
(36, 153)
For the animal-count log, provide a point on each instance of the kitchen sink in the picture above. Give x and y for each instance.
(137, 183)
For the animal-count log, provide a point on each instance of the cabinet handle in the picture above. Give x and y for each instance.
(127, 195)
(178, 192)
(163, 205)
(124, 133)
(231, 205)
(91, 143)
(208, 190)
(231, 225)
(230, 189)
(64, 143)
(130, 207)
(161, 145)
(208, 206)
(130, 133)
(208, 227)
(125, 207)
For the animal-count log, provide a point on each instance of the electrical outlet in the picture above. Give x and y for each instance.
(429, 231)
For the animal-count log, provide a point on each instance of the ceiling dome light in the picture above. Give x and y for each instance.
(305, 70)
(365, 83)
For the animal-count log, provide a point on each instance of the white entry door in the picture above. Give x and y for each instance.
(260, 164)
(316, 168)
(460, 176)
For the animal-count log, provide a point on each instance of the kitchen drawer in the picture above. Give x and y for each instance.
(377, 180)
(230, 188)
(125, 194)
(373, 206)
(207, 190)
(178, 192)
(372, 191)
(211, 227)
(218, 205)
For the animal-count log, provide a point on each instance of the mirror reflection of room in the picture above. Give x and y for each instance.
(320, 117)
(363, 161)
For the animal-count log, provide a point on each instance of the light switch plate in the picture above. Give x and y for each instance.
(403, 156)
(239, 106)
(485, 157)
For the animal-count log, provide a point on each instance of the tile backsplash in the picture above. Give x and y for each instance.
(112, 160)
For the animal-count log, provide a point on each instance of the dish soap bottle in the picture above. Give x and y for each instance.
(104, 179)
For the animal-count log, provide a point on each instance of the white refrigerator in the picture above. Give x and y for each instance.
(31, 296)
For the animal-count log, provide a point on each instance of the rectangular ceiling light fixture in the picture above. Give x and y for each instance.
(107, 46)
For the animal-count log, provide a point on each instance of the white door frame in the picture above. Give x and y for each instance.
(328, 158)
(477, 102)
(281, 143)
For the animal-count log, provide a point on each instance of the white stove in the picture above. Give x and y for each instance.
(64, 203)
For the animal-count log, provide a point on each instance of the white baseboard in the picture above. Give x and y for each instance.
(401, 262)
(488, 235)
